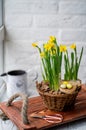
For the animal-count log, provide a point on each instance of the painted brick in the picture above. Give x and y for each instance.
(27, 21)
(30, 34)
(60, 21)
(83, 61)
(72, 7)
(25, 55)
(31, 7)
(73, 35)
(82, 74)
(18, 21)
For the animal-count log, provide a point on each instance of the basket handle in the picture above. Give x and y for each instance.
(24, 106)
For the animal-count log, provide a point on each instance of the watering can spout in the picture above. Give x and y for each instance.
(4, 74)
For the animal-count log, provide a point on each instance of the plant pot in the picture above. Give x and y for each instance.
(57, 101)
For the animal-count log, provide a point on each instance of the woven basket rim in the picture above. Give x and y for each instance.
(56, 95)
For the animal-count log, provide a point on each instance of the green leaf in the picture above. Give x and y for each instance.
(72, 64)
(80, 56)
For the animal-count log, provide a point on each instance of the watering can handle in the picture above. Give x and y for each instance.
(24, 106)
(32, 74)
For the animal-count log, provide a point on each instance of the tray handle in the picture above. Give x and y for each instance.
(24, 106)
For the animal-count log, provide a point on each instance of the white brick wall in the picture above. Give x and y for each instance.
(72, 7)
(27, 21)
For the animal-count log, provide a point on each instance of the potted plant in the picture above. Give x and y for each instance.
(57, 94)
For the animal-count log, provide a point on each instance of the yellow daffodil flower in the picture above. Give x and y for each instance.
(42, 54)
(63, 48)
(49, 46)
(73, 46)
(35, 44)
(52, 39)
(46, 46)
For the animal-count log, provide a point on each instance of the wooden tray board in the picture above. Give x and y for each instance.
(36, 105)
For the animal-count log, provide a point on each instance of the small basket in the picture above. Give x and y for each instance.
(60, 101)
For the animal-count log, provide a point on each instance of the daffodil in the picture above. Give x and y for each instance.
(52, 39)
(46, 46)
(35, 44)
(51, 58)
(72, 63)
(49, 46)
(73, 46)
(51, 62)
(63, 48)
(42, 54)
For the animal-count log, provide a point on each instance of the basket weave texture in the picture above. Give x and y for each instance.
(58, 102)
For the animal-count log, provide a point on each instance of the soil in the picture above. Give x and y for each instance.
(44, 87)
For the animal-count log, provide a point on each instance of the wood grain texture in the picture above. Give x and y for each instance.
(36, 105)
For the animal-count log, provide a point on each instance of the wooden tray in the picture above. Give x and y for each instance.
(36, 105)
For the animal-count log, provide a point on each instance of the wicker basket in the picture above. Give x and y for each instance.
(58, 102)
